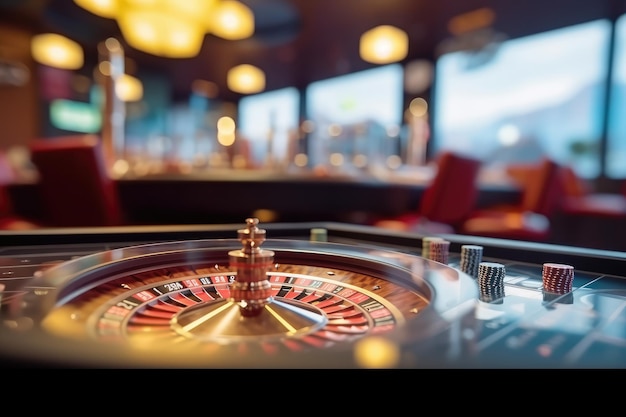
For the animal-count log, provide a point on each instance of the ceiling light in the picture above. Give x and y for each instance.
(383, 45)
(171, 28)
(232, 20)
(129, 88)
(57, 51)
(246, 79)
(161, 33)
(103, 8)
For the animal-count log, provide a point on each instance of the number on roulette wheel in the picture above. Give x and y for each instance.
(245, 302)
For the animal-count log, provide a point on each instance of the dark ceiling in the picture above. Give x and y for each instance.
(300, 41)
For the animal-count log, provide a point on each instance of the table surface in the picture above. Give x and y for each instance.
(525, 327)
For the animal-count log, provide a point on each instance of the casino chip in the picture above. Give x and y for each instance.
(426, 245)
(491, 281)
(318, 234)
(439, 250)
(557, 278)
(471, 257)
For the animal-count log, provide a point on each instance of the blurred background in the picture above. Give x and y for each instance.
(303, 84)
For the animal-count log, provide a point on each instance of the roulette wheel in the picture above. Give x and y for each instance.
(249, 301)
(304, 295)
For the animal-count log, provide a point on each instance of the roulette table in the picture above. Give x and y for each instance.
(300, 295)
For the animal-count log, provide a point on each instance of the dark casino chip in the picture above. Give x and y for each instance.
(491, 274)
(471, 257)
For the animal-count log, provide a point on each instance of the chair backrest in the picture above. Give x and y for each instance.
(543, 190)
(454, 191)
(7, 176)
(75, 185)
(573, 184)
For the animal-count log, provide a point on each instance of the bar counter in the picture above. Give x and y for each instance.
(225, 196)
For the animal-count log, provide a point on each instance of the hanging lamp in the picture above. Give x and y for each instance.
(232, 20)
(57, 51)
(384, 44)
(246, 79)
(173, 28)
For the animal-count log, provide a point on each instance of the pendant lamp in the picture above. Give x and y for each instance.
(384, 45)
(174, 28)
(246, 79)
(57, 51)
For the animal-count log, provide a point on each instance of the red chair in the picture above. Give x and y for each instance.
(76, 189)
(446, 202)
(8, 219)
(531, 218)
(590, 218)
(581, 199)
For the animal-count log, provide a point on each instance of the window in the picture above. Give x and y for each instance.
(532, 96)
(353, 114)
(267, 120)
(616, 130)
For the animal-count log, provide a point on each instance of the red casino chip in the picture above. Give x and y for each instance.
(557, 278)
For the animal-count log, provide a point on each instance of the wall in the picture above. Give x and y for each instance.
(19, 107)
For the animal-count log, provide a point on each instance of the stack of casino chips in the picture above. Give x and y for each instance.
(557, 278)
(426, 245)
(439, 250)
(491, 281)
(471, 257)
(318, 234)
